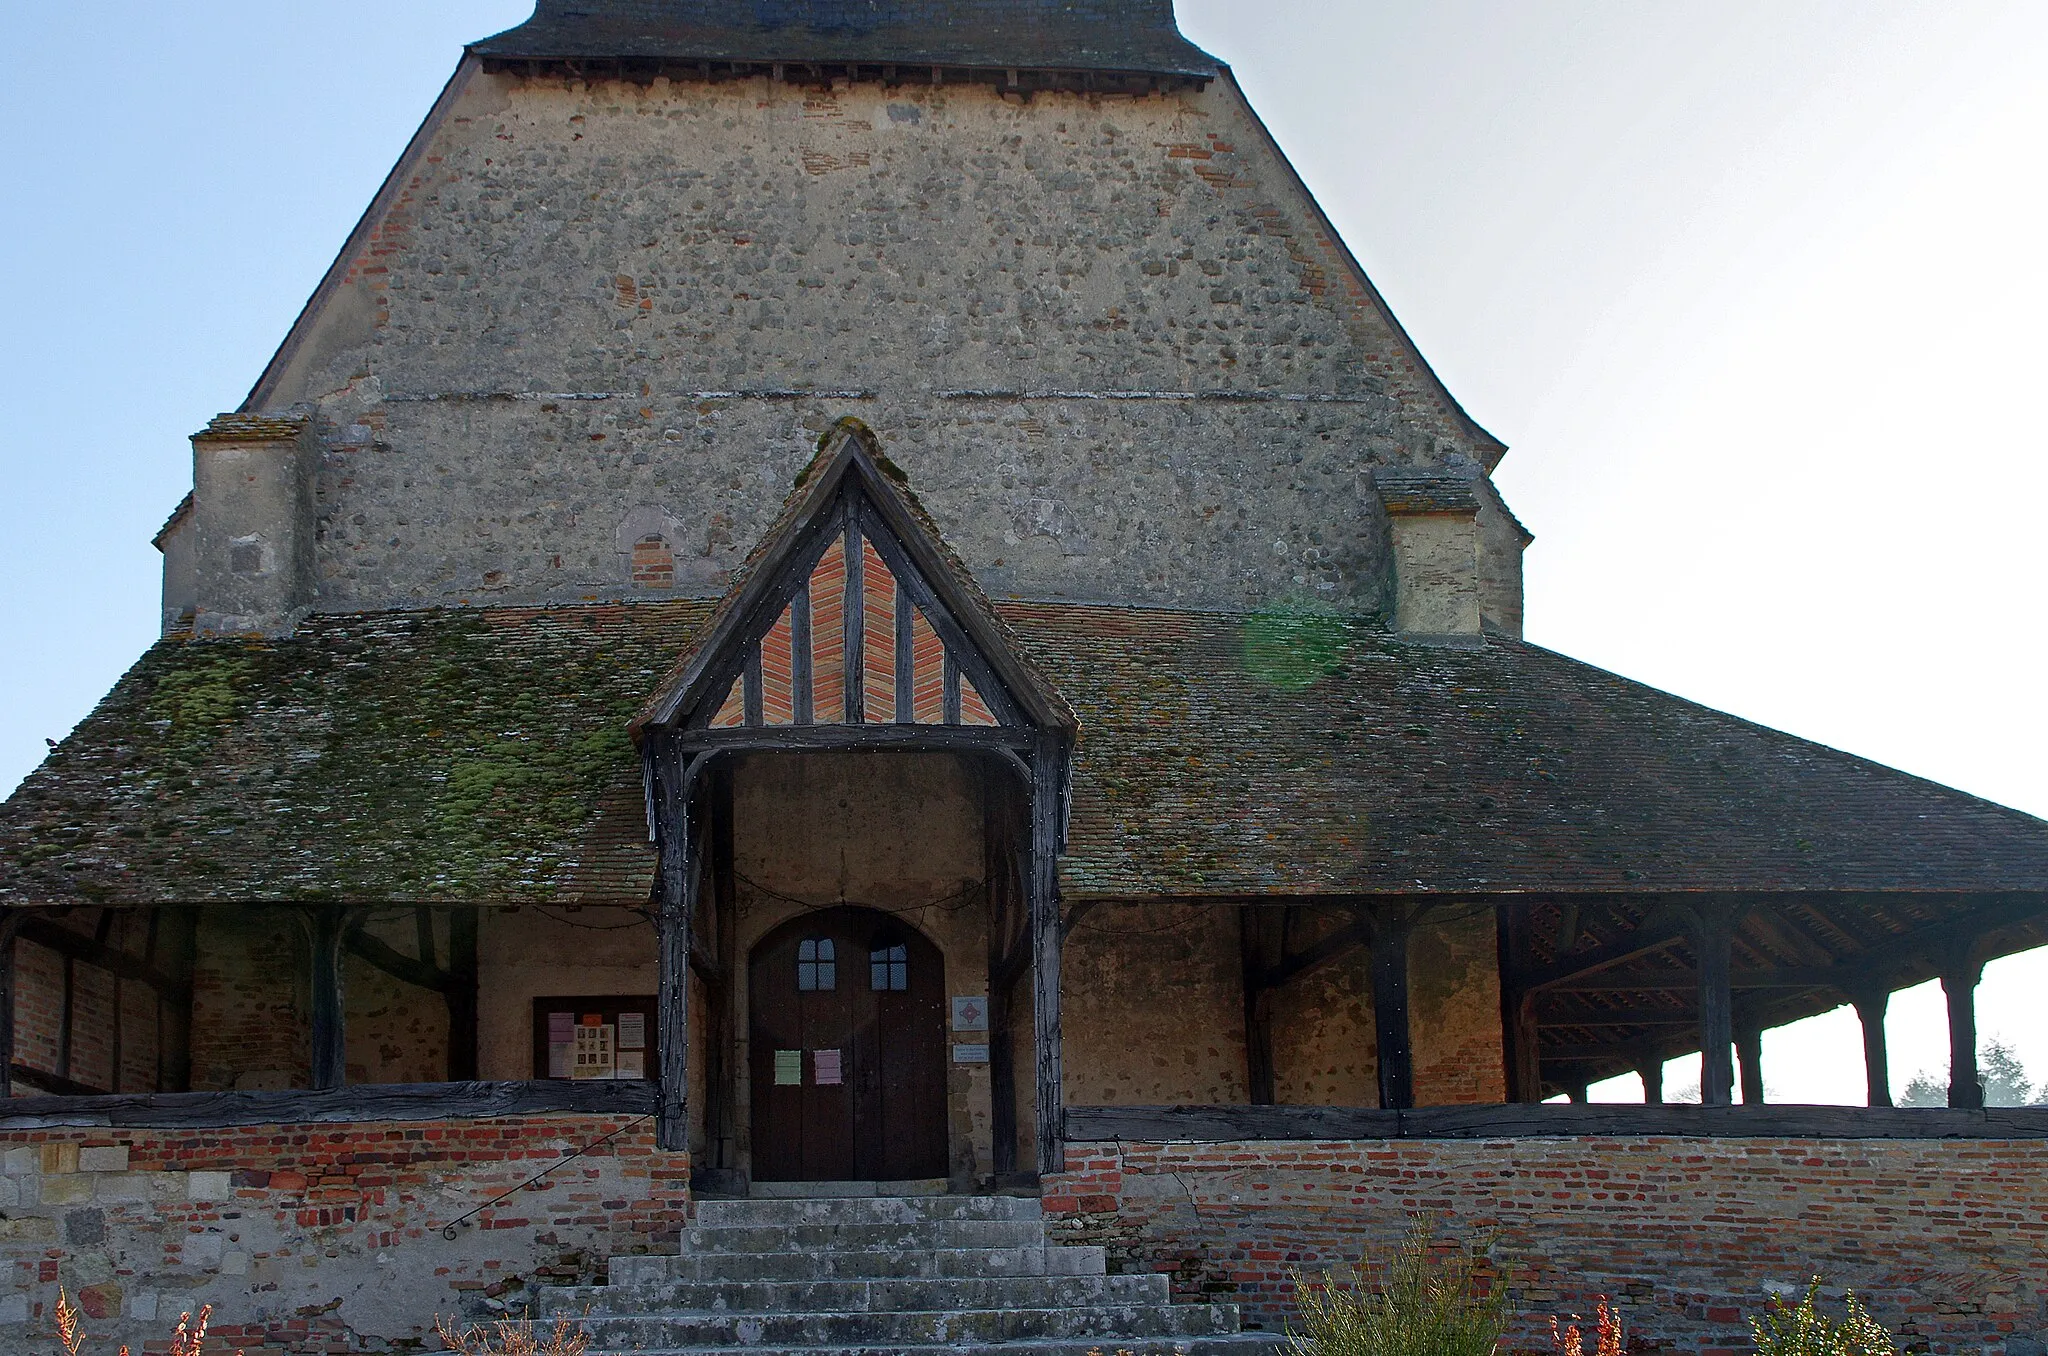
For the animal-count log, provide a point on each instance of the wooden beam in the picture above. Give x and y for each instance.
(327, 927)
(177, 953)
(1046, 783)
(1521, 1059)
(1749, 1062)
(1261, 935)
(673, 927)
(369, 1102)
(1713, 942)
(1640, 943)
(906, 660)
(381, 955)
(793, 738)
(461, 994)
(1960, 971)
(1335, 946)
(1651, 1071)
(76, 946)
(10, 925)
(1390, 1007)
(802, 694)
(1222, 1124)
(1008, 954)
(1877, 1075)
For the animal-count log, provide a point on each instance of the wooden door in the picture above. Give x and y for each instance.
(848, 1050)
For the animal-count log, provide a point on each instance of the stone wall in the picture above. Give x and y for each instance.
(1110, 339)
(1946, 1239)
(315, 1238)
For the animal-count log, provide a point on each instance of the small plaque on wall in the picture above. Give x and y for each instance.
(970, 1054)
(970, 1014)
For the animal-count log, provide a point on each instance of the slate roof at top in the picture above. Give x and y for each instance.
(482, 755)
(1122, 36)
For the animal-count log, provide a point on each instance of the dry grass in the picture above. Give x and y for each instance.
(186, 1341)
(1608, 1339)
(1421, 1301)
(513, 1337)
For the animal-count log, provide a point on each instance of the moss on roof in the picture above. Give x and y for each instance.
(477, 755)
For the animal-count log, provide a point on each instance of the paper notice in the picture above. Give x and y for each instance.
(560, 1055)
(632, 1064)
(970, 1054)
(593, 1058)
(561, 1028)
(826, 1065)
(632, 1031)
(789, 1068)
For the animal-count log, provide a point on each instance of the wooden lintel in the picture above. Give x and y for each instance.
(938, 738)
(1214, 1124)
(365, 1102)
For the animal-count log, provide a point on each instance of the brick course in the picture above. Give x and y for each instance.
(1947, 1240)
(317, 1238)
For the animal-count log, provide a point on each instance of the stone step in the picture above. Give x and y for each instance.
(743, 1214)
(830, 1265)
(1115, 1323)
(1234, 1344)
(853, 1296)
(873, 1236)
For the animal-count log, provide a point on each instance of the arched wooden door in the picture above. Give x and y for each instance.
(848, 1049)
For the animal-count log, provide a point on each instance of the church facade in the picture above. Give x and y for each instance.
(875, 597)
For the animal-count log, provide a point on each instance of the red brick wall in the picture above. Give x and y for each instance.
(38, 1008)
(1948, 1239)
(316, 1238)
(251, 1014)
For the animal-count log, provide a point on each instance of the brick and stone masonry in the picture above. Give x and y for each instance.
(317, 1238)
(1947, 1240)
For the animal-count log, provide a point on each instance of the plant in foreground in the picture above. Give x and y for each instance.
(1607, 1334)
(513, 1337)
(186, 1341)
(1422, 1301)
(1803, 1330)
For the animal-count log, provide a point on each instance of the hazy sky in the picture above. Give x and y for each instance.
(1751, 290)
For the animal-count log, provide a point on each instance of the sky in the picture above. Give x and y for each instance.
(1749, 288)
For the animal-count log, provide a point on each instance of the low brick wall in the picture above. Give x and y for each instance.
(316, 1238)
(1947, 1239)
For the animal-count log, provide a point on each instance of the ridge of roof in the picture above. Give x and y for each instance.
(177, 516)
(1122, 36)
(1425, 489)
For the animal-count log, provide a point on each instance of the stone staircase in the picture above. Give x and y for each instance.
(864, 1276)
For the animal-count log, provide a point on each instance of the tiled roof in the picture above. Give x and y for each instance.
(1421, 491)
(456, 755)
(250, 428)
(1123, 36)
(482, 755)
(1225, 754)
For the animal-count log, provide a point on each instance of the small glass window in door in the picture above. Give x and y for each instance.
(889, 969)
(816, 965)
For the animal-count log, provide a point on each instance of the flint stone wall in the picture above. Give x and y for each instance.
(316, 1238)
(1107, 337)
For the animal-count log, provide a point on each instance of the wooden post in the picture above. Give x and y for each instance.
(10, 924)
(1577, 1093)
(464, 925)
(1008, 933)
(1258, 956)
(326, 929)
(672, 927)
(178, 957)
(1749, 1058)
(1651, 1071)
(1046, 941)
(1960, 972)
(1714, 940)
(1521, 1034)
(721, 1114)
(1390, 1008)
(1877, 1074)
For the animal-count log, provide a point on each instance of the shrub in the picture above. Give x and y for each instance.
(1607, 1334)
(513, 1337)
(1421, 1301)
(1803, 1330)
(186, 1341)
